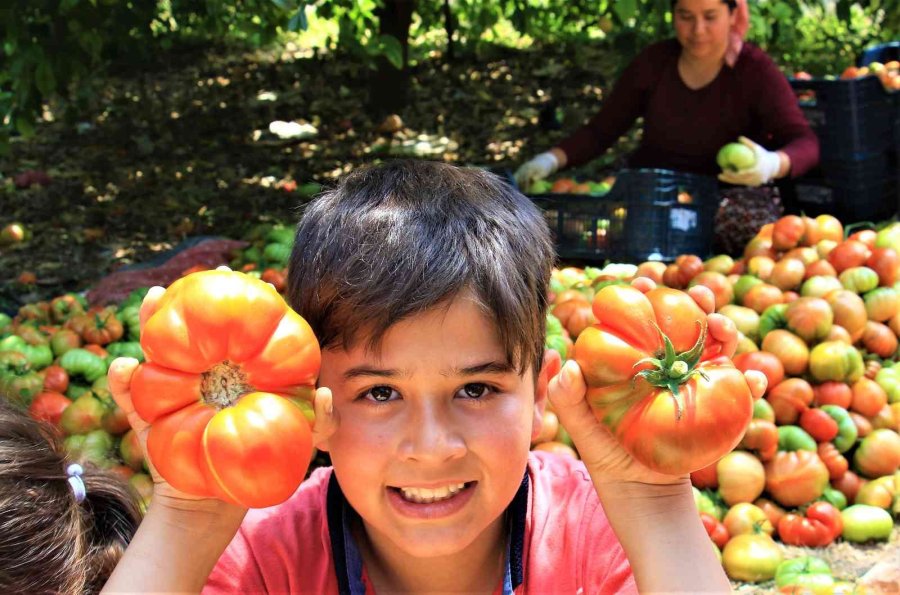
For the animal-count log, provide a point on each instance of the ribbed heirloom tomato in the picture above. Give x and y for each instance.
(667, 394)
(227, 389)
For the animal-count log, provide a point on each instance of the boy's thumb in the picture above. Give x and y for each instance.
(567, 388)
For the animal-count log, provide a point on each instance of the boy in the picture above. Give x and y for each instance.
(426, 287)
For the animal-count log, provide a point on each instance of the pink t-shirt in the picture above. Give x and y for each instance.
(565, 544)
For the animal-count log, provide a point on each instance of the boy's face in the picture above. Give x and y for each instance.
(432, 437)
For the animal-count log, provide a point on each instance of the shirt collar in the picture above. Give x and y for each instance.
(348, 563)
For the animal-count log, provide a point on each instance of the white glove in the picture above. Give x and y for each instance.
(536, 169)
(764, 171)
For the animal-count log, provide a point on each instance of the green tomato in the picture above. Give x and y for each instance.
(735, 157)
(819, 285)
(834, 497)
(889, 237)
(888, 378)
(847, 430)
(792, 438)
(773, 317)
(859, 279)
(763, 410)
(706, 501)
(5, 321)
(863, 523)
(790, 571)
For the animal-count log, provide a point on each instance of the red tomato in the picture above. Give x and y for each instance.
(225, 391)
(834, 461)
(821, 525)
(886, 263)
(819, 425)
(848, 484)
(706, 477)
(833, 393)
(864, 236)
(789, 399)
(56, 379)
(761, 361)
(715, 529)
(49, 406)
(667, 415)
(849, 253)
(680, 273)
(795, 478)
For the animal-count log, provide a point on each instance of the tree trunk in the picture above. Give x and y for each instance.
(389, 91)
(450, 28)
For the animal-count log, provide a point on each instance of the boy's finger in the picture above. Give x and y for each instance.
(151, 303)
(120, 373)
(566, 393)
(643, 284)
(704, 297)
(722, 329)
(223, 267)
(326, 418)
(757, 382)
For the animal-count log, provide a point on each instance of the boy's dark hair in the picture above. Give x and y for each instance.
(50, 543)
(732, 4)
(393, 240)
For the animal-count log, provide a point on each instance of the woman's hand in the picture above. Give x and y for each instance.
(538, 168)
(605, 458)
(769, 165)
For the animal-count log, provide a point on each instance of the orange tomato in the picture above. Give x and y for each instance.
(879, 339)
(830, 228)
(761, 296)
(787, 232)
(868, 397)
(789, 348)
(796, 478)
(652, 269)
(849, 312)
(225, 391)
(819, 268)
(742, 477)
(886, 263)
(833, 393)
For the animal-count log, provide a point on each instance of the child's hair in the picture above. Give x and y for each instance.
(393, 240)
(49, 542)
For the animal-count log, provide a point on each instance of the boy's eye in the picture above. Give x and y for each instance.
(475, 390)
(380, 394)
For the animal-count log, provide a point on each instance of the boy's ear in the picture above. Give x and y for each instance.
(550, 366)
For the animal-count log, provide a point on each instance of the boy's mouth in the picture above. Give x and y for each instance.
(427, 495)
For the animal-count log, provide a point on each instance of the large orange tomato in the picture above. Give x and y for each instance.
(795, 478)
(658, 383)
(227, 389)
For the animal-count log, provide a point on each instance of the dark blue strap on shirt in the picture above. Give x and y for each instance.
(348, 561)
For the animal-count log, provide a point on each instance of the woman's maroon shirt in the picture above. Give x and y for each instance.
(685, 128)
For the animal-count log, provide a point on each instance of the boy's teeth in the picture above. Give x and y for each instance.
(425, 495)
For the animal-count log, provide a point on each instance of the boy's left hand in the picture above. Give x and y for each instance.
(604, 457)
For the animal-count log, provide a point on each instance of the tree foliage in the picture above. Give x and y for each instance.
(59, 49)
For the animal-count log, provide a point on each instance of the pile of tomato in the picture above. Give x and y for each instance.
(819, 314)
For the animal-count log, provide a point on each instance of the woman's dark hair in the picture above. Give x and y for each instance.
(49, 542)
(393, 240)
(732, 4)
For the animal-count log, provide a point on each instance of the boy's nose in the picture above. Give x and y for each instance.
(432, 436)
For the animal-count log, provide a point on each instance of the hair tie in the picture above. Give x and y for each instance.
(74, 472)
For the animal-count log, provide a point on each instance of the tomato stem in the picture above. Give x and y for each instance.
(222, 385)
(670, 370)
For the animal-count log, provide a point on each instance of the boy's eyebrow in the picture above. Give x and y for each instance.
(491, 367)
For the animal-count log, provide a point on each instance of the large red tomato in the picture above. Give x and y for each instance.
(655, 380)
(227, 389)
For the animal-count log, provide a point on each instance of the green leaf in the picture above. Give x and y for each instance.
(44, 79)
(25, 126)
(299, 22)
(625, 9)
(392, 50)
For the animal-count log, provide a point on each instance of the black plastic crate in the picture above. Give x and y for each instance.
(851, 190)
(853, 119)
(884, 52)
(640, 219)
